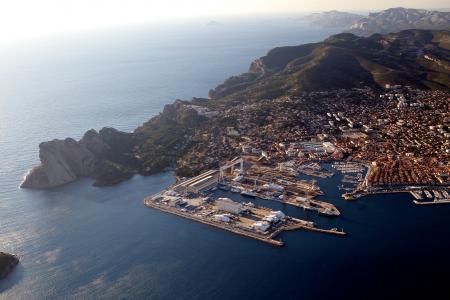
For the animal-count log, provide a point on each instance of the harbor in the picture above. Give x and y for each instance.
(277, 184)
(196, 199)
(248, 220)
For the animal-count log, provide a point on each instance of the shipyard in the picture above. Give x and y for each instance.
(194, 199)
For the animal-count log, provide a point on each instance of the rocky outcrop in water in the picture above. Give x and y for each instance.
(64, 161)
(111, 156)
(7, 264)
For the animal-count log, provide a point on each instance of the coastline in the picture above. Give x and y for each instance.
(199, 134)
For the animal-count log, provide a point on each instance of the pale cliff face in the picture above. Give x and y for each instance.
(62, 161)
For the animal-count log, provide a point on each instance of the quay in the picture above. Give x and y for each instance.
(275, 184)
(417, 195)
(266, 239)
(311, 227)
(194, 199)
(415, 191)
(289, 224)
(434, 202)
(321, 207)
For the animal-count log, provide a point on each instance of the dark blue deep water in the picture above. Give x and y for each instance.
(82, 242)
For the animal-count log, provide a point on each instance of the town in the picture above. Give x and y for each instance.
(396, 140)
(402, 133)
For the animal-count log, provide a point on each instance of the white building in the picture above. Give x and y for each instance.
(275, 217)
(203, 184)
(228, 205)
(273, 186)
(222, 218)
(260, 226)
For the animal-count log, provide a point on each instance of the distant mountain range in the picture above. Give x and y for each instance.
(397, 19)
(332, 18)
(413, 57)
(386, 21)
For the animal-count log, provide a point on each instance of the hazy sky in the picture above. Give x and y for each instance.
(21, 19)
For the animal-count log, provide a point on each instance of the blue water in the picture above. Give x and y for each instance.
(79, 241)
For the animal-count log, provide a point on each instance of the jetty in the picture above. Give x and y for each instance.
(416, 194)
(170, 210)
(434, 202)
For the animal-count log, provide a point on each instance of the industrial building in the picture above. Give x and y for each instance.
(329, 147)
(200, 183)
(260, 226)
(228, 205)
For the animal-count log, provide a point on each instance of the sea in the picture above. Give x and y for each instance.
(85, 242)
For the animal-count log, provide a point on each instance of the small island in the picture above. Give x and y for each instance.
(7, 263)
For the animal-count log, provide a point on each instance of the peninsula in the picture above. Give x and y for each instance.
(380, 100)
(399, 18)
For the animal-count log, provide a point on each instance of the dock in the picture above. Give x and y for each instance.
(324, 208)
(266, 239)
(434, 202)
(235, 225)
(311, 227)
(416, 194)
(321, 207)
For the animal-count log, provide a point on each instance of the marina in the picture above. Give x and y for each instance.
(440, 197)
(434, 202)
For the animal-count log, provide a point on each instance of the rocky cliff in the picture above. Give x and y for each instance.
(64, 161)
(111, 156)
(7, 264)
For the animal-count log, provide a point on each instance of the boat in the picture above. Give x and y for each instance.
(328, 212)
(224, 187)
(428, 194)
(416, 195)
(235, 190)
(248, 193)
